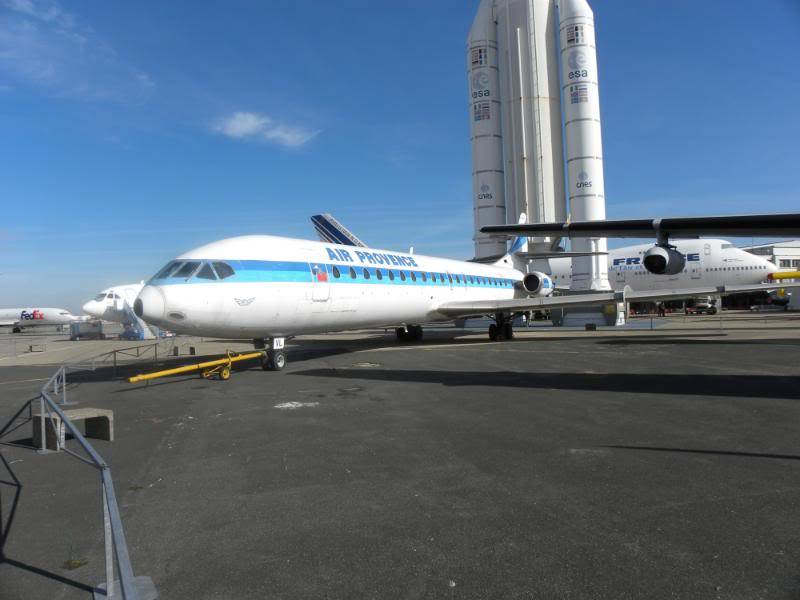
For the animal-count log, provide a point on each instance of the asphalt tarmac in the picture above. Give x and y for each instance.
(563, 464)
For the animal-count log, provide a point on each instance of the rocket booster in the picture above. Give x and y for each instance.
(584, 147)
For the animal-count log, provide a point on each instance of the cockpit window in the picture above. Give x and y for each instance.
(165, 272)
(224, 270)
(206, 272)
(100, 297)
(187, 269)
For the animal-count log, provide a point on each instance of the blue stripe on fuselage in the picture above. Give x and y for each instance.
(264, 271)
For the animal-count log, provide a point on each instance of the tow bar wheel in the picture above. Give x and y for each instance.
(225, 373)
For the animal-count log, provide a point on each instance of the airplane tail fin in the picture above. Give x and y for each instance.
(331, 230)
(519, 246)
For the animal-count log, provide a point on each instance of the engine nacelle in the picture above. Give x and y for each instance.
(662, 260)
(537, 284)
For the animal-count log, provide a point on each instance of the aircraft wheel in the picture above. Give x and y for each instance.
(493, 332)
(712, 311)
(508, 331)
(225, 373)
(16, 330)
(402, 334)
(276, 360)
(415, 332)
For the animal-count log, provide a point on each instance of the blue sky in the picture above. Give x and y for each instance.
(130, 132)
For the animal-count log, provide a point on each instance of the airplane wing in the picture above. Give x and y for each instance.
(8, 323)
(331, 230)
(485, 307)
(787, 224)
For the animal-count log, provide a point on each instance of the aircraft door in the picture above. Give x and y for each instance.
(620, 274)
(320, 286)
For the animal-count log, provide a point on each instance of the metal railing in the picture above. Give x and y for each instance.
(115, 545)
(114, 357)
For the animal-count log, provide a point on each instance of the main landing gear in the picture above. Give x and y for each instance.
(501, 329)
(409, 333)
(274, 358)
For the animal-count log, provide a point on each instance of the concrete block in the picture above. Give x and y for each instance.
(99, 424)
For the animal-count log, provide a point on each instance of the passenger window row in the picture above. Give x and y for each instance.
(423, 276)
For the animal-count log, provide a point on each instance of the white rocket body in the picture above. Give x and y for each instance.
(518, 158)
(488, 180)
(521, 37)
(583, 141)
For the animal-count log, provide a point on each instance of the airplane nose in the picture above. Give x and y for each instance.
(88, 308)
(150, 304)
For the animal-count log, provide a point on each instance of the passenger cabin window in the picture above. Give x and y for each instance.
(413, 277)
(378, 273)
(402, 275)
(224, 270)
(424, 276)
(206, 272)
(187, 269)
(336, 272)
(352, 273)
(366, 274)
(391, 275)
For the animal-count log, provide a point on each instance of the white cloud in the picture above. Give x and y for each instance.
(43, 45)
(248, 125)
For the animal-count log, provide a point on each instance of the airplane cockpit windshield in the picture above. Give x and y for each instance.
(210, 271)
(100, 297)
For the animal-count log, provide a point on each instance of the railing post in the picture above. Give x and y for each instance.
(109, 545)
(114, 354)
(42, 436)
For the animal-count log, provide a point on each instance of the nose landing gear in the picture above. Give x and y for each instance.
(274, 358)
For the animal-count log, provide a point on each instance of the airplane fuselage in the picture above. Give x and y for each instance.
(708, 262)
(264, 286)
(109, 303)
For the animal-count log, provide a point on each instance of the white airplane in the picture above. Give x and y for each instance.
(109, 303)
(269, 288)
(707, 262)
(23, 318)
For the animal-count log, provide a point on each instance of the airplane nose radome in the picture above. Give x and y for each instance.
(88, 308)
(149, 304)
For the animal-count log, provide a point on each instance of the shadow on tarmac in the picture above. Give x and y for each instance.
(7, 520)
(753, 386)
(711, 452)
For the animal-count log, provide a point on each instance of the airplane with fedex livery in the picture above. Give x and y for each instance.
(25, 317)
(269, 288)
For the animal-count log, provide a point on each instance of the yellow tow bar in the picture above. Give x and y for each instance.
(220, 367)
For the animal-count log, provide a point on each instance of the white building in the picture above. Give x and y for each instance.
(784, 255)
